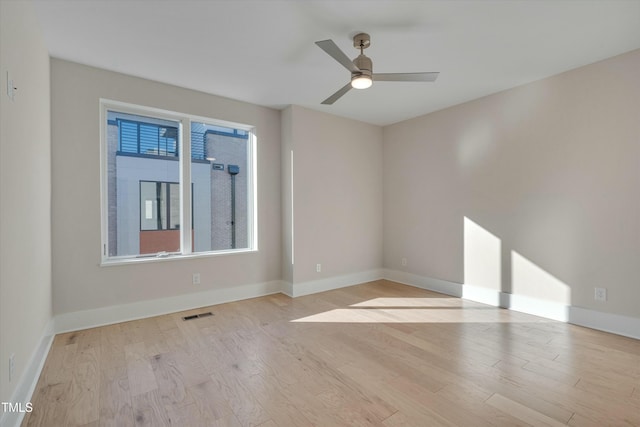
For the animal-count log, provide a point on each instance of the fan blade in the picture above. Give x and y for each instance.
(405, 77)
(333, 98)
(334, 51)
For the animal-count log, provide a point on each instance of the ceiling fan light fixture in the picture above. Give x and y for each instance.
(361, 81)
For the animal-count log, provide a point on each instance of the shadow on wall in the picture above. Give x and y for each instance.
(505, 277)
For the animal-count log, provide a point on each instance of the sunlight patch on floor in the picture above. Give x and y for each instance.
(411, 302)
(418, 310)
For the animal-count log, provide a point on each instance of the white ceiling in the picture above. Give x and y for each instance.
(263, 52)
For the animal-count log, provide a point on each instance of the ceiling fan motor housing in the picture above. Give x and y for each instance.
(363, 62)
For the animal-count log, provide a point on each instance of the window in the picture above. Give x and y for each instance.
(156, 203)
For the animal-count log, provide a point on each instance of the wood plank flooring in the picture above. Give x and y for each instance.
(377, 354)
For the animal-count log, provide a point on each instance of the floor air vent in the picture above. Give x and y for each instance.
(196, 316)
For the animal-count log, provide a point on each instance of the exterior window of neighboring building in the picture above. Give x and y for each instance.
(151, 195)
(159, 206)
(147, 138)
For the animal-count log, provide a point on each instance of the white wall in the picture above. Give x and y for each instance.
(25, 193)
(547, 176)
(337, 194)
(79, 282)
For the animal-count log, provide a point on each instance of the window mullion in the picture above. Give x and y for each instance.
(185, 187)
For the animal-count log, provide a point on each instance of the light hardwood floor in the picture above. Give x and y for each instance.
(377, 354)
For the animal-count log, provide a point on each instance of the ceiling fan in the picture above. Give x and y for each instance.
(362, 75)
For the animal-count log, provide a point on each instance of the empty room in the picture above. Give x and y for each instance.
(319, 213)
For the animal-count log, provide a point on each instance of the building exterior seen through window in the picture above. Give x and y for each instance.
(144, 192)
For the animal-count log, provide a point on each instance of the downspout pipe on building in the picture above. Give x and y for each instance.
(233, 171)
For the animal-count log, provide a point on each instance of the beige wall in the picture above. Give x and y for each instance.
(337, 194)
(25, 191)
(547, 176)
(79, 282)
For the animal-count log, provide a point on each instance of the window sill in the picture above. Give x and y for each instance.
(109, 262)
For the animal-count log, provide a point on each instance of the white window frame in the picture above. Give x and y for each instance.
(184, 147)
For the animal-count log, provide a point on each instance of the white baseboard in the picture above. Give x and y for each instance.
(77, 320)
(606, 322)
(29, 379)
(287, 289)
(85, 319)
(322, 285)
(521, 303)
(483, 295)
(537, 307)
(614, 323)
(428, 283)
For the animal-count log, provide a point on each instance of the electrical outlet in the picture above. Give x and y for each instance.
(404, 261)
(195, 279)
(318, 268)
(600, 294)
(12, 366)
